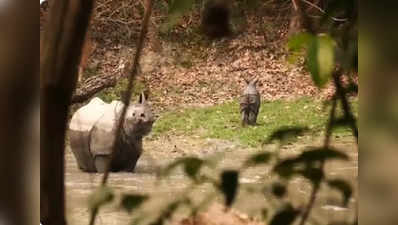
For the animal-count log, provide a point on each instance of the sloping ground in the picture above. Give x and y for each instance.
(184, 68)
(219, 76)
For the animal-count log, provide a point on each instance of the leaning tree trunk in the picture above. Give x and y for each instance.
(61, 52)
(93, 85)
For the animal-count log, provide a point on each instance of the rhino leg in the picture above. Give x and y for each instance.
(100, 162)
(79, 147)
(252, 118)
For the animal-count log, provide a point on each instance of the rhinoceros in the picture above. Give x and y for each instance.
(92, 133)
(250, 103)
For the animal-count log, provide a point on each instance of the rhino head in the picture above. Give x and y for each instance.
(250, 103)
(139, 118)
(251, 87)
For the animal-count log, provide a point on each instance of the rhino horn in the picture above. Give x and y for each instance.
(142, 98)
(255, 80)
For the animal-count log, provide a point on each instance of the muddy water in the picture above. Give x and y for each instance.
(228, 155)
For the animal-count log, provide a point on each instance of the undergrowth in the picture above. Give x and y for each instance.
(115, 93)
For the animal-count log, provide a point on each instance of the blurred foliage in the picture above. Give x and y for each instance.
(130, 201)
(320, 55)
(286, 215)
(100, 197)
(343, 187)
(229, 186)
(284, 134)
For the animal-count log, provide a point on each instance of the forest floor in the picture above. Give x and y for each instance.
(183, 68)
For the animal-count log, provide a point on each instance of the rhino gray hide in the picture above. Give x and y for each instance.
(250, 103)
(92, 134)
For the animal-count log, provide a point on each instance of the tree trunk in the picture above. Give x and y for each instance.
(62, 44)
(18, 88)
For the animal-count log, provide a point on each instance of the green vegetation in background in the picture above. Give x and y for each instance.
(115, 93)
(224, 121)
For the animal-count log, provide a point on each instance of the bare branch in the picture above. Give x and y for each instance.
(326, 143)
(92, 86)
(321, 10)
(127, 97)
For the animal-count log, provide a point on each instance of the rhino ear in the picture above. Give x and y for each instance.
(142, 98)
(255, 80)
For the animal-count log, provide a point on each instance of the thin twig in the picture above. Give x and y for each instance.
(127, 97)
(132, 75)
(313, 5)
(295, 5)
(321, 10)
(345, 105)
(326, 143)
(340, 94)
(329, 127)
(120, 21)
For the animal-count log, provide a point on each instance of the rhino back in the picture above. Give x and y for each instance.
(85, 117)
(250, 90)
(104, 130)
(80, 130)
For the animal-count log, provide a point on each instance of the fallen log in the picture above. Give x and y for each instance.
(93, 85)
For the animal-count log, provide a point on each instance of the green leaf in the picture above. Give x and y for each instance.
(343, 122)
(286, 168)
(285, 216)
(264, 213)
(305, 163)
(294, 57)
(352, 88)
(100, 197)
(138, 220)
(278, 189)
(131, 201)
(343, 187)
(203, 204)
(229, 186)
(320, 59)
(321, 154)
(287, 133)
(260, 158)
(315, 175)
(299, 41)
(191, 167)
(169, 211)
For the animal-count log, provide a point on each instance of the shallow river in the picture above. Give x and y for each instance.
(162, 151)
